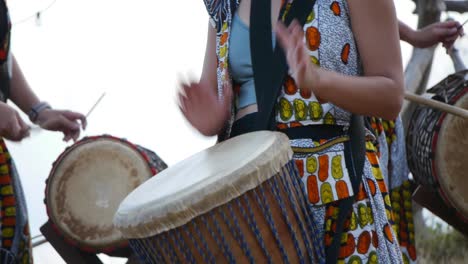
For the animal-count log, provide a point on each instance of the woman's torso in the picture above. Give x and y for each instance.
(330, 44)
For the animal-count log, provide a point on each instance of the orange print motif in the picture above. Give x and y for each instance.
(295, 124)
(335, 7)
(281, 126)
(312, 189)
(290, 87)
(345, 53)
(412, 252)
(364, 241)
(300, 167)
(388, 233)
(371, 186)
(323, 167)
(347, 249)
(375, 239)
(313, 38)
(361, 194)
(223, 38)
(342, 189)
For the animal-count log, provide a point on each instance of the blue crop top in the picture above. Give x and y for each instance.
(240, 62)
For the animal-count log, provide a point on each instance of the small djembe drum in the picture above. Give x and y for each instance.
(437, 145)
(238, 201)
(86, 185)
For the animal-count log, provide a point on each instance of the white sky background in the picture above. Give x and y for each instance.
(131, 51)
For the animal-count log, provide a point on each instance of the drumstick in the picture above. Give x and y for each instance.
(437, 105)
(460, 26)
(95, 104)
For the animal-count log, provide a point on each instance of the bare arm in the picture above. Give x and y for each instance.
(405, 32)
(209, 76)
(21, 93)
(380, 91)
(199, 102)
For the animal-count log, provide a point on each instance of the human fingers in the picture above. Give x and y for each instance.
(73, 116)
(24, 128)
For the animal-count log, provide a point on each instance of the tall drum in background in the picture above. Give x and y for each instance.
(238, 201)
(437, 145)
(87, 183)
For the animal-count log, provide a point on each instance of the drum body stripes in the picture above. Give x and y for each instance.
(240, 201)
(87, 183)
(437, 145)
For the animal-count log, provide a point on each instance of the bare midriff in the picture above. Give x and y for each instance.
(246, 110)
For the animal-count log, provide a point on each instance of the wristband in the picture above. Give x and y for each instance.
(35, 110)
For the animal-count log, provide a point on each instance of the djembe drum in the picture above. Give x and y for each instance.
(87, 183)
(238, 201)
(437, 145)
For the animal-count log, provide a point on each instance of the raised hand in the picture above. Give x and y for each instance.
(12, 126)
(301, 69)
(62, 120)
(200, 105)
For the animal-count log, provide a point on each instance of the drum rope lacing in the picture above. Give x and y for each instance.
(274, 187)
(237, 232)
(253, 225)
(205, 253)
(295, 211)
(267, 213)
(312, 225)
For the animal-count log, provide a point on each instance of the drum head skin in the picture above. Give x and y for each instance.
(452, 158)
(202, 182)
(87, 184)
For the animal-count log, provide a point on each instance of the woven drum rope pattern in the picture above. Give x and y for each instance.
(254, 226)
(267, 213)
(223, 238)
(205, 252)
(236, 231)
(285, 215)
(155, 252)
(203, 241)
(312, 224)
(295, 211)
(181, 246)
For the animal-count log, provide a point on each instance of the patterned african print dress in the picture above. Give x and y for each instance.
(15, 238)
(368, 236)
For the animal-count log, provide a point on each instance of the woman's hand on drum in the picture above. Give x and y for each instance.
(301, 69)
(12, 126)
(200, 105)
(62, 120)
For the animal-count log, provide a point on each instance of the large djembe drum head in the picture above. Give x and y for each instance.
(86, 185)
(240, 200)
(452, 157)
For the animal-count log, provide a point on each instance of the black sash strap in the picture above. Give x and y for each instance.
(270, 66)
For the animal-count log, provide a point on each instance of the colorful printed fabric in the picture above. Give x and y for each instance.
(322, 168)
(298, 107)
(391, 147)
(15, 239)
